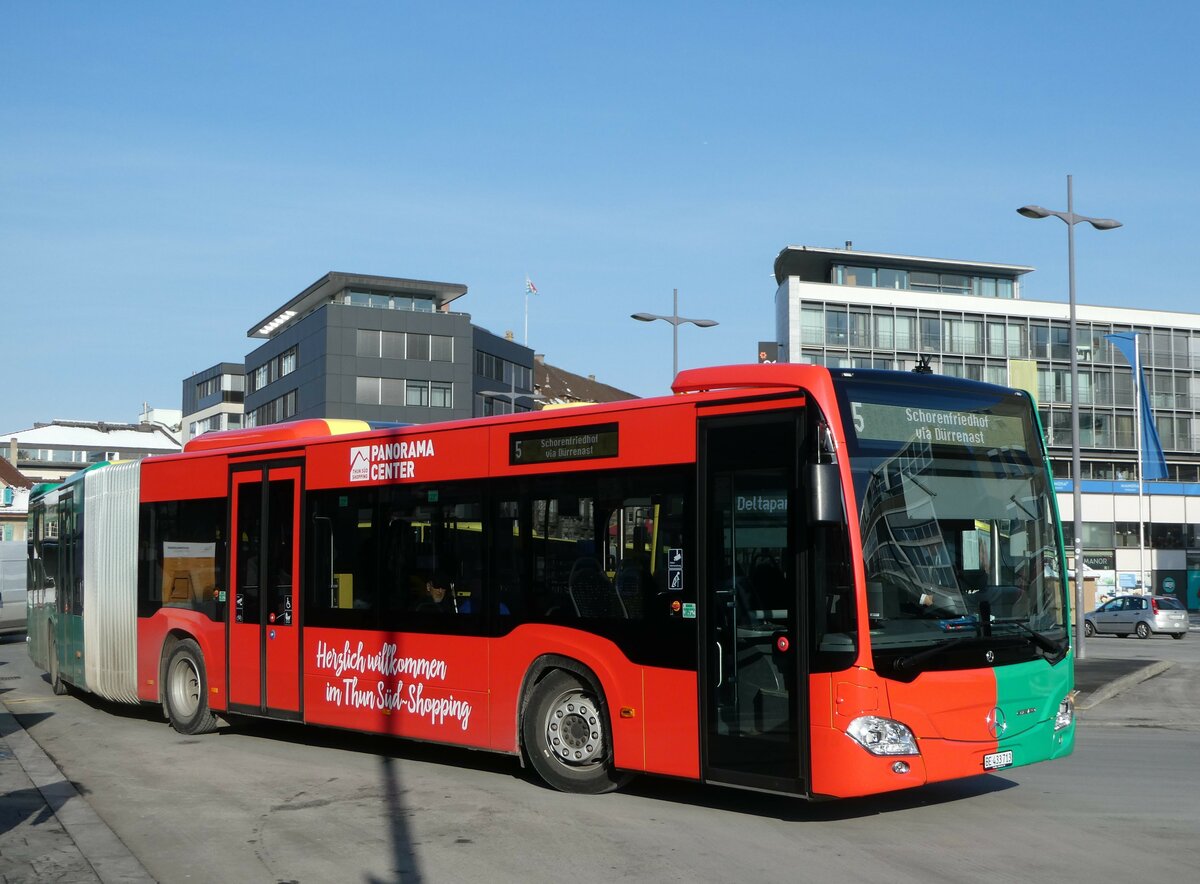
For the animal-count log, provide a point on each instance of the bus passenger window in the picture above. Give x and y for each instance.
(181, 553)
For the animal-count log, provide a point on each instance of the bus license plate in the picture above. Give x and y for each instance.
(997, 760)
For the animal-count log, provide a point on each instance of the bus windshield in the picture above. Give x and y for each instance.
(959, 532)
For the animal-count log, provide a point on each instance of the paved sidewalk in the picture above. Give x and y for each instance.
(47, 831)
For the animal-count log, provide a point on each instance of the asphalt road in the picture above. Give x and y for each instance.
(273, 803)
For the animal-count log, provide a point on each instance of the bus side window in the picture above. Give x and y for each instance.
(182, 553)
(510, 546)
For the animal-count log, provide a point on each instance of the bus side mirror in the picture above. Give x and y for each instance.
(825, 494)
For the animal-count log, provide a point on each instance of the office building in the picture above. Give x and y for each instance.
(378, 348)
(214, 399)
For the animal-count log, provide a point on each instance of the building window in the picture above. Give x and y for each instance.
(417, 393)
(812, 326)
(884, 331)
(279, 409)
(441, 395)
(1016, 341)
(861, 276)
(923, 281)
(392, 392)
(509, 373)
(931, 334)
(287, 361)
(418, 347)
(366, 391)
(441, 348)
(392, 345)
(860, 329)
(388, 301)
(367, 344)
(273, 369)
(835, 328)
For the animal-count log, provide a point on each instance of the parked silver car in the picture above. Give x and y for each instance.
(1143, 615)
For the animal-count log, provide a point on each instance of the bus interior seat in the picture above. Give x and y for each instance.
(591, 592)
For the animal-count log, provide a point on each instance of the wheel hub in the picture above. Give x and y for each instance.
(574, 731)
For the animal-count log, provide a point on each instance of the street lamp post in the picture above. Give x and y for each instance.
(676, 320)
(1071, 219)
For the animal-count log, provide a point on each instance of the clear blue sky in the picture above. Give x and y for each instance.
(169, 173)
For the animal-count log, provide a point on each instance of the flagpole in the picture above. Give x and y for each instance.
(1137, 398)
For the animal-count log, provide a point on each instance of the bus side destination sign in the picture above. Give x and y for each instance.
(572, 443)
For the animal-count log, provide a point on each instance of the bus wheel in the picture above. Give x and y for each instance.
(185, 693)
(57, 685)
(565, 731)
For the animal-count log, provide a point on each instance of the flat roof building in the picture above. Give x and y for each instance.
(213, 399)
(49, 452)
(852, 309)
(373, 348)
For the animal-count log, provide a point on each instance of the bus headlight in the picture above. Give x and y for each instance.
(883, 736)
(1066, 712)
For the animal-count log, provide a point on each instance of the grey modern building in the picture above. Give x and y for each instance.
(213, 399)
(379, 348)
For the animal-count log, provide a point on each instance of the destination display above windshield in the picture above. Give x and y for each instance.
(552, 446)
(908, 423)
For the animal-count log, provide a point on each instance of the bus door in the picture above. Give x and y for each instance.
(753, 700)
(264, 640)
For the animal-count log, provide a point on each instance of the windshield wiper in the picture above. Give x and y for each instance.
(900, 664)
(1046, 644)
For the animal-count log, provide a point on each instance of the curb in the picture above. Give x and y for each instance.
(1123, 683)
(108, 856)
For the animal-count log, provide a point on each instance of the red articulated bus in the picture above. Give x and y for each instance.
(784, 578)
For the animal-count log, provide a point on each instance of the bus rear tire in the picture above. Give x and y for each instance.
(185, 690)
(566, 734)
(57, 685)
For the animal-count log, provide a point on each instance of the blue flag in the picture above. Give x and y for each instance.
(1154, 465)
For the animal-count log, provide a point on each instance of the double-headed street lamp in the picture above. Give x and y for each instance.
(1071, 219)
(676, 320)
(512, 396)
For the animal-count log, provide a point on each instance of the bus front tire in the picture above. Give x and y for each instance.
(185, 690)
(566, 735)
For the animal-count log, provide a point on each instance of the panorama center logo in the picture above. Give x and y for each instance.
(360, 463)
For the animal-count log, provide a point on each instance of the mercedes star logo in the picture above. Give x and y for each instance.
(996, 723)
(990, 656)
